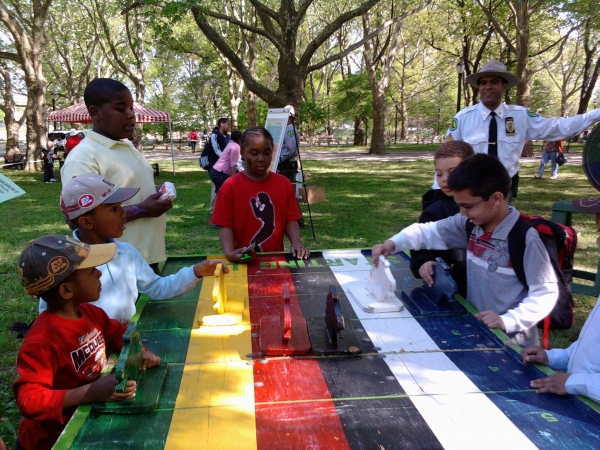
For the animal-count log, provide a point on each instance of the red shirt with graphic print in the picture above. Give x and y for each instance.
(59, 354)
(256, 210)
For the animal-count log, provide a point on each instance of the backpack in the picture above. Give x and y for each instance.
(208, 157)
(560, 242)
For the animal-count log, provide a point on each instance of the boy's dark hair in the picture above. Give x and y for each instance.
(482, 175)
(101, 90)
(221, 121)
(253, 132)
(453, 149)
(236, 136)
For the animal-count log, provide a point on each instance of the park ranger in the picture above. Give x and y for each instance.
(499, 129)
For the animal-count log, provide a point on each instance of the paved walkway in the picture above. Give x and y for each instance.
(346, 155)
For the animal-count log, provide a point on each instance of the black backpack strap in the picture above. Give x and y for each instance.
(516, 248)
(469, 227)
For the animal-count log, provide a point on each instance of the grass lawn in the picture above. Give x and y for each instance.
(366, 203)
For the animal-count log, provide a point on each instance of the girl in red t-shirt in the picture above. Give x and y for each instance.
(257, 207)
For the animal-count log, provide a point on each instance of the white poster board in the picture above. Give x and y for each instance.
(8, 189)
(277, 119)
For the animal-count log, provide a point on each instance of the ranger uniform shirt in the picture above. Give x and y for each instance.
(516, 125)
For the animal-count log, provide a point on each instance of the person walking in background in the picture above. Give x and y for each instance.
(48, 166)
(73, 141)
(219, 140)
(193, 140)
(226, 166)
(550, 150)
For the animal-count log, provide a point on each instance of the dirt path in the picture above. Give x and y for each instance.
(346, 155)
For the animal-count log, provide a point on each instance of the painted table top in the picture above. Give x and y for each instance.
(420, 380)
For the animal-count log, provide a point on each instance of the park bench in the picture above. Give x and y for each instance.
(327, 139)
(14, 161)
(562, 212)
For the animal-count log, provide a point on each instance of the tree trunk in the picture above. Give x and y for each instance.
(359, 132)
(35, 114)
(590, 77)
(251, 108)
(377, 133)
(30, 41)
(11, 123)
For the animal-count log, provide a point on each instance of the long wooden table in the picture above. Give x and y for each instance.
(419, 381)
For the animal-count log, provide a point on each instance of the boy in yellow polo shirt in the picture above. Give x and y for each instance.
(106, 151)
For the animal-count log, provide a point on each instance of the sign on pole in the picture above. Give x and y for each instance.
(277, 119)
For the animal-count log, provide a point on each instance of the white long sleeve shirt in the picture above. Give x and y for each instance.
(127, 274)
(581, 359)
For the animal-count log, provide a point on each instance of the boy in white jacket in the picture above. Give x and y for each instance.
(581, 361)
(92, 204)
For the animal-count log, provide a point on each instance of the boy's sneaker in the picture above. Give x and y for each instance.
(537, 175)
(554, 177)
(53, 180)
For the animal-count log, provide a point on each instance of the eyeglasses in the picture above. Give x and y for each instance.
(470, 207)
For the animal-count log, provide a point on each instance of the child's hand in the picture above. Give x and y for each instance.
(124, 321)
(554, 384)
(236, 255)
(207, 267)
(426, 272)
(130, 388)
(153, 206)
(534, 355)
(382, 249)
(491, 319)
(299, 251)
(149, 359)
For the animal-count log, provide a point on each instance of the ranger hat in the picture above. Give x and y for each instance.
(48, 261)
(493, 68)
(292, 110)
(84, 192)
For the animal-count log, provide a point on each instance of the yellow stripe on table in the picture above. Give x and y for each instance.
(215, 405)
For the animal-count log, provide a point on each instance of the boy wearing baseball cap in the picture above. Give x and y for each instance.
(92, 205)
(65, 350)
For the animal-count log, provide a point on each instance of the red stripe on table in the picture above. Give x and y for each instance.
(296, 410)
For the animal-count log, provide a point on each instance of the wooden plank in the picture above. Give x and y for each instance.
(289, 425)
(433, 373)
(215, 405)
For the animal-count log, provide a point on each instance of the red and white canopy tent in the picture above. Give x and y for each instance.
(79, 114)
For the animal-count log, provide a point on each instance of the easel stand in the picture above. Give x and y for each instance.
(301, 169)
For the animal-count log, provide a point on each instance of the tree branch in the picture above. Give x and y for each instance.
(502, 34)
(11, 56)
(266, 94)
(360, 43)
(272, 38)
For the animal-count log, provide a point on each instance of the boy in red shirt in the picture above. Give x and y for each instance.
(257, 207)
(65, 350)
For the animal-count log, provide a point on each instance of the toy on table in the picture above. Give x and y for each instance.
(285, 334)
(338, 336)
(129, 367)
(377, 295)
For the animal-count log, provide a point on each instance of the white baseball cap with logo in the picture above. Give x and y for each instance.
(85, 192)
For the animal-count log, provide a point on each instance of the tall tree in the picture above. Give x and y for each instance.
(26, 22)
(9, 107)
(72, 51)
(281, 27)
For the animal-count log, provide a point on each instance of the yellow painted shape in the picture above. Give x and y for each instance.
(216, 384)
(213, 428)
(219, 344)
(237, 300)
(215, 404)
(219, 293)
